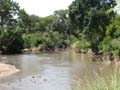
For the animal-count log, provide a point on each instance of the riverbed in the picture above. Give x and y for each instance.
(53, 71)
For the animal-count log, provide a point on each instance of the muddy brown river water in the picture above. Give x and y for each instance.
(53, 71)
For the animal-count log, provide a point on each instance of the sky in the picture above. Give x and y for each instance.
(117, 8)
(43, 8)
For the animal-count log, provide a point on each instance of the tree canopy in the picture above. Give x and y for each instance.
(91, 18)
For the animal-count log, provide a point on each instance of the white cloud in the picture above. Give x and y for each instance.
(43, 7)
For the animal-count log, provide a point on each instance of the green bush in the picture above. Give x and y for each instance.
(33, 40)
(109, 45)
(81, 45)
(105, 45)
(11, 42)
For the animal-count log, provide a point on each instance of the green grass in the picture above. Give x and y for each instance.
(102, 82)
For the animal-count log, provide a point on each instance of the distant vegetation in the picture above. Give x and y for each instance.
(87, 24)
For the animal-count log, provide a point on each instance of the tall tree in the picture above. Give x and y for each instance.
(28, 23)
(8, 13)
(91, 17)
(60, 22)
(10, 38)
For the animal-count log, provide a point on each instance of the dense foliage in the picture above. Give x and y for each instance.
(91, 18)
(87, 24)
(10, 36)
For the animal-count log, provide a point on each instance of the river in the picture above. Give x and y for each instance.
(53, 71)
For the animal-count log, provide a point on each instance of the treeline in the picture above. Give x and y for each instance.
(87, 24)
(19, 30)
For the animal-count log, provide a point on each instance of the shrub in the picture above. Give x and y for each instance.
(109, 45)
(11, 42)
(81, 45)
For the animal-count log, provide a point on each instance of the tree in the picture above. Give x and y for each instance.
(28, 23)
(8, 11)
(46, 23)
(91, 18)
(59, 23)
(10, 36)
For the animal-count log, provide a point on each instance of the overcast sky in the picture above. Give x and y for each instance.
(43, 7)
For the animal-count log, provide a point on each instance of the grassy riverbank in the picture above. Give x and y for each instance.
(101, 82)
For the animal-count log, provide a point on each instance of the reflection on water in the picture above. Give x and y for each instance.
(56, 71)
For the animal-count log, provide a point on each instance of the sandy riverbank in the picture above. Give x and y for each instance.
(6, 70)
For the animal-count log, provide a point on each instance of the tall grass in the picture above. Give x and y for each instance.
(102, 82)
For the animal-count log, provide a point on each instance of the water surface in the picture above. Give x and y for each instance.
(55, 71)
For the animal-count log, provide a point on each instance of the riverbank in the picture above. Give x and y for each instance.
(98, 56)
(38, 50)
(7, 70)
